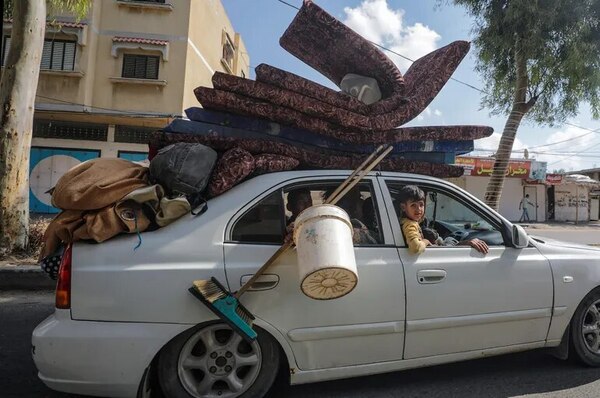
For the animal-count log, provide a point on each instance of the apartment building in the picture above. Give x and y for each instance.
(108, 80)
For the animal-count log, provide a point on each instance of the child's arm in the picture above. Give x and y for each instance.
(416, 244)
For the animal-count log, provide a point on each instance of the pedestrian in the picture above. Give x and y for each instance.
(523, 207)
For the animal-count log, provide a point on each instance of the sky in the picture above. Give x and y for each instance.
(413, 29)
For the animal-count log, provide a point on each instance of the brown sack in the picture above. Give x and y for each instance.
(98, 183)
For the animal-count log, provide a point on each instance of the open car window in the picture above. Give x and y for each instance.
(272, 218)
(449, 220)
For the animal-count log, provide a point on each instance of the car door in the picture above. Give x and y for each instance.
(459, 299)
(364, 326)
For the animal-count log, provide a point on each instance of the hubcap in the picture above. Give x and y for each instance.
(590, 328)
(217, 362)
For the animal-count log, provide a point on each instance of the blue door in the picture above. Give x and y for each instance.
(46, 166)
(133, 156)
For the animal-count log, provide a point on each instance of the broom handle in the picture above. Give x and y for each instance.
(354, 173)
(345, 187)
(334, 199)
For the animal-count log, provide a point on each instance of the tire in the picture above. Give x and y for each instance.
(585, 330)
(211, 360)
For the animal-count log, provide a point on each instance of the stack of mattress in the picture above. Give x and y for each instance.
(284, 114)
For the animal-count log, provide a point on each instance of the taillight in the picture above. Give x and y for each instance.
(63, 285)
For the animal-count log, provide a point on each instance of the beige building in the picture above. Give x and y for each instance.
(129, 67)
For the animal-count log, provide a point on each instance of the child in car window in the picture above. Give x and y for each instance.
(412, 204)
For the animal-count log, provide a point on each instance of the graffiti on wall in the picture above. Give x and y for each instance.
(569, 199)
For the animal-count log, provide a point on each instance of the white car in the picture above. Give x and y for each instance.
(126, 318)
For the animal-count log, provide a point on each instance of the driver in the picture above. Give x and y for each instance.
(412, 205)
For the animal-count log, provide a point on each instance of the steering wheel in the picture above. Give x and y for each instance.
(459, 235)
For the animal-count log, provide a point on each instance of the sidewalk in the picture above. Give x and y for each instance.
(24, 277)
(582, 225)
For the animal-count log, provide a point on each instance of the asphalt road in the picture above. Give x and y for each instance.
(587, 236)
(532, 374)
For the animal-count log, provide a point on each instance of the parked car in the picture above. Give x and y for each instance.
(125, 318)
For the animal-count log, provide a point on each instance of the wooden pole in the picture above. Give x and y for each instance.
(576, 204)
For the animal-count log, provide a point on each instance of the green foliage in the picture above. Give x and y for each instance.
(559, 41)
(79, 8)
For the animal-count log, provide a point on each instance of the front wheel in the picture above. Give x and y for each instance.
(211, 360)
(585, 330)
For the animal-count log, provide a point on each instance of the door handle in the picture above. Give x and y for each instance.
(264, 282)
(428, 276)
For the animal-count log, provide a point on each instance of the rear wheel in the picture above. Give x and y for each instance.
(212, 360)
(585, 330)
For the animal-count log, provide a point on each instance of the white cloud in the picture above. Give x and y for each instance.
(376, 21)
(428, 113)
(488, 146)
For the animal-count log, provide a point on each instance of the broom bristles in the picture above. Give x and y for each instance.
(225, 306)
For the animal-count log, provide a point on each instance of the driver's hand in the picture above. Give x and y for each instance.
(479, 245)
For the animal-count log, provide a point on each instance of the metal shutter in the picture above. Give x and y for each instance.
(152, 68)
(5, 49)
(69, 59)
(46, 55)
(128, 65)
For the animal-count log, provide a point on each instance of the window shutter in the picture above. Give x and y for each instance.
(46, 55)
(152, 68)
(69, 60)
(128, 66)
(58, 52)
(140, 67)
(5, 49)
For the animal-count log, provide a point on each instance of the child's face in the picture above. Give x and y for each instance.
(414, 209)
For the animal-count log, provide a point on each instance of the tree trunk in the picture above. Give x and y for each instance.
(17, 100)
(496, 183)
(520, 107)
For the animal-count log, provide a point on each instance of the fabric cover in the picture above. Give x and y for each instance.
(231, 102)
(308, 157)
(233, 167)
(270, 163)
(458, 139)
(333, 49)
(97, 183)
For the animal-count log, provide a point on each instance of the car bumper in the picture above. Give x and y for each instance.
(96, 358)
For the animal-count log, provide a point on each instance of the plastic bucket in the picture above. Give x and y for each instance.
(326, 263)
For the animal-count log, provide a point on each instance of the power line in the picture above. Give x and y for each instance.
(578, 153)
(288, 4)
(130, 113)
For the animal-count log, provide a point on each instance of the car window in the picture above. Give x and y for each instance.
(263, 223)
(271, 219)
(359, 203)
(449, 220)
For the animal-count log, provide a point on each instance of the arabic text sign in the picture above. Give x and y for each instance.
(484, 167)
(554, 179)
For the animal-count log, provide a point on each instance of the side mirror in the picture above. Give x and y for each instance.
(520, 239)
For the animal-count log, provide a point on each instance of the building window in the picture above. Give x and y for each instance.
(56, 55)
(140, 66)
(228, 53)
(70, 130)
(133, 134)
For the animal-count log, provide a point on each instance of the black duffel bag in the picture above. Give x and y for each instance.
(183, 169)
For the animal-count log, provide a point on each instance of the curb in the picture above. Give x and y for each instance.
(24, 277)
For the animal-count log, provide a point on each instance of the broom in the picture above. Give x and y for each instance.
(226, 305)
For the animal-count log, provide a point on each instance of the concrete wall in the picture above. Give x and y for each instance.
(566, 205)
(512, 193)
